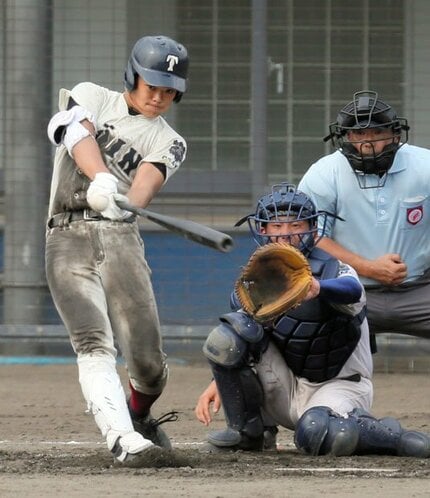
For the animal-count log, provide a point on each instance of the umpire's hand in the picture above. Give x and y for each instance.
(388, 269)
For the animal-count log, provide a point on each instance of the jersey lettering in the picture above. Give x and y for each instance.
(112, 145)
(130, 161)
(172, 60)
(107, 138)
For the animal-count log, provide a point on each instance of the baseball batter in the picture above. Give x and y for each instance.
(310, 369)
(378, 186)
(111, 145)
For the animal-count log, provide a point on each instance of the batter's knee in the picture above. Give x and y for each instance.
(320, 431)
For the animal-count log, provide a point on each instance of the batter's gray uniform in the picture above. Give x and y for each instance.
(96, 269)
(114, 146)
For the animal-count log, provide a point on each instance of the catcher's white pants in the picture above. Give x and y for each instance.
(287, 397)
(101, 285)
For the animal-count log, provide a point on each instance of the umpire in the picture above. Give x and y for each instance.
(378, 186)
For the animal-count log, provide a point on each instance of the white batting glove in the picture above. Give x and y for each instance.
(100, 197)
(113, 212)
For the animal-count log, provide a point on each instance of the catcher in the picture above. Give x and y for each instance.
(296, 353)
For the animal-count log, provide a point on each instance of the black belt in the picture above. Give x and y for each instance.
(62, 219)
(351, 378)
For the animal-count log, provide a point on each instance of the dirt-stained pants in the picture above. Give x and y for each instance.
(101, 285)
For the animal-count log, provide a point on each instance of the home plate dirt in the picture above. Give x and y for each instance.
(50, 448)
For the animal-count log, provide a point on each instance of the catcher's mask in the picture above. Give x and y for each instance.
(286, 205)
(160, 61)
(367, 111)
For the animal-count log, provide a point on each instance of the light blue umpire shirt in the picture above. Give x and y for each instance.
(394, 218)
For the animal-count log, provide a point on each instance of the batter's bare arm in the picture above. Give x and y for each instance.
(87, 155)
(88, 158)
(388, 269)
(146, 184)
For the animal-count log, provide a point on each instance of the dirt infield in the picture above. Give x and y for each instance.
(50, 448)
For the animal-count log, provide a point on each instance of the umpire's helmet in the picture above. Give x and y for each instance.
(285, 200)
(160, 61)
(366, 111)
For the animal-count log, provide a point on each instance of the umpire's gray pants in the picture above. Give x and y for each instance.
(100, 283)
(402, 309)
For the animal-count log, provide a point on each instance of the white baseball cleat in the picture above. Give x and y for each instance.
(128, 446)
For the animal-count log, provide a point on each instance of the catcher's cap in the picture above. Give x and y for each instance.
(283, 200)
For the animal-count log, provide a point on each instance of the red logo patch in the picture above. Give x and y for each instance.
(414, 215)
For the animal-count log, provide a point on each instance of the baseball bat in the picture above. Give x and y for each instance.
(188, 229)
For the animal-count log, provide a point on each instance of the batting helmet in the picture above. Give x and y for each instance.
(160, 61)
(366, 111)
(285, 200)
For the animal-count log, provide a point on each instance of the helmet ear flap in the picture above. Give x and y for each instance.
(129, 77)
(178, 97)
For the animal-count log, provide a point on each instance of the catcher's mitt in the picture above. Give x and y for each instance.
(276, 278)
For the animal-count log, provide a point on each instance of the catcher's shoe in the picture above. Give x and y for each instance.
(231, 439)
(411, 443)
(269, 435)
(128, 447)
(149, 427)
(415, 444)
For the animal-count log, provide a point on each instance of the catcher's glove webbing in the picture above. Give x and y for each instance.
(276, 278)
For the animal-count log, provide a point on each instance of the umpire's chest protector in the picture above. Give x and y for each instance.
(315, 339)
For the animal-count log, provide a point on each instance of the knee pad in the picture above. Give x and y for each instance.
(320, 431)
(225, 347)
(342, 437)
(245, 326)
(227, 344)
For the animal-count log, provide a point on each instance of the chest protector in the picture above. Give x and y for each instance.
(315, 339)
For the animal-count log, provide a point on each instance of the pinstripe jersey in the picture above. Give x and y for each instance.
(125, 140)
